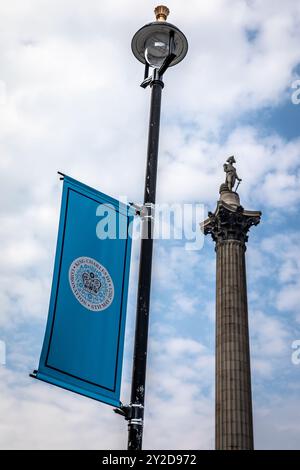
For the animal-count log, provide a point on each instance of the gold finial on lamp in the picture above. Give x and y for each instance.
(161, 13)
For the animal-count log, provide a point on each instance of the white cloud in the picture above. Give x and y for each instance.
(289, 298)
(38, 416)
(285, 249)
(269, 335)
(236, 74)
(191, 168)
(180, 395)
(276, 423)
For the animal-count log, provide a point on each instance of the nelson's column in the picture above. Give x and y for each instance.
(228, 226)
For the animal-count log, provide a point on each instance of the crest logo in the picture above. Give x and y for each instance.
(91, 284)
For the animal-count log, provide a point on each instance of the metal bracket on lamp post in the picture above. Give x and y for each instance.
(144, 210)
(132, 412)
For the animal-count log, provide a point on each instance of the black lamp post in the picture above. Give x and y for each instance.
(158, 45)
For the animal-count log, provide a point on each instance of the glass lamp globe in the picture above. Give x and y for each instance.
(157, 49)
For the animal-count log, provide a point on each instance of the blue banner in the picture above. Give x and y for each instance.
(84, 339)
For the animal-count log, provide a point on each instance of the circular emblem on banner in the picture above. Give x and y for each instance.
(91, 283)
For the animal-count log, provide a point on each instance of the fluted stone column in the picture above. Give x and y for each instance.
(228, 227)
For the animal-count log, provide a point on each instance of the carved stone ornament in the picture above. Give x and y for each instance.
(230, 223)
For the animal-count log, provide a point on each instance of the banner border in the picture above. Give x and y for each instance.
(101, 393)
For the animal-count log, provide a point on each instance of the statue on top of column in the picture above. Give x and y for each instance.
(231, 174)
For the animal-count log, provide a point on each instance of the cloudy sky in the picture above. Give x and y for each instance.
(70, 100)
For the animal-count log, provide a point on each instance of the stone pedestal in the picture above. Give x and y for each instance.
(228, 227)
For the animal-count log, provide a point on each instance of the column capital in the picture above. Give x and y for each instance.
(230, 222)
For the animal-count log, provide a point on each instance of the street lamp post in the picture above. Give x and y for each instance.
(158, 45)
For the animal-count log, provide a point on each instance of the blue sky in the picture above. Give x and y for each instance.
(71, 101)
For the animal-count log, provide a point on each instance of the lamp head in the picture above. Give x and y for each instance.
(151, 43)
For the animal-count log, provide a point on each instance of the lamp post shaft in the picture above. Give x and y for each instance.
(135, 424)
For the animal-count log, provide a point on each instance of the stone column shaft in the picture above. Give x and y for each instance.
(234, 426)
